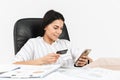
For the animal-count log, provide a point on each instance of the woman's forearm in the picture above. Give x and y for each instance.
(30, 62)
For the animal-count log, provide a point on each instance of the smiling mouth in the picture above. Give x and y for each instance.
(56, 36)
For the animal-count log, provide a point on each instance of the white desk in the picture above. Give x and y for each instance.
(78, 74)
(89, 72)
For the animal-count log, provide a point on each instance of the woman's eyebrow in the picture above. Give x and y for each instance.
(56, 25)
(59, 26)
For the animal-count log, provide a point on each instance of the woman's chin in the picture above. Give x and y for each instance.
(55, 39)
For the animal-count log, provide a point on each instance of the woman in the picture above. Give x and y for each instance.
(42, 50)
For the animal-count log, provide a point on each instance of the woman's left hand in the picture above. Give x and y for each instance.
(83, 60)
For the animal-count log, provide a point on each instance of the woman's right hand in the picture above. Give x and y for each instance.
(50, 58)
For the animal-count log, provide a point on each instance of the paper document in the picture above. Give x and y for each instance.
(7, 68)
(28, 71)
(92, 73)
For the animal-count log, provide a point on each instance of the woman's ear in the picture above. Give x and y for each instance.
(45, 28)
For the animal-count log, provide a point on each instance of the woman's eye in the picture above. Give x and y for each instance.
(55, 27)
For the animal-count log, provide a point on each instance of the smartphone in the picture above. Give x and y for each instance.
(84, 53)
(62, 51)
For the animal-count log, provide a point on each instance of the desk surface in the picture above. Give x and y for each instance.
(108, 63)
(89, 72)
(76, 73)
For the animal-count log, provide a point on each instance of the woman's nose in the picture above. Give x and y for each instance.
(59, 31)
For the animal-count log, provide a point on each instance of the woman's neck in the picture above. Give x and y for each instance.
(48, 40)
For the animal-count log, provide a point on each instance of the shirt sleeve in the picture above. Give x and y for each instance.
(66, 59)
(25, 53)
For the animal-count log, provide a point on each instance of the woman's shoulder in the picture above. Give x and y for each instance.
(35, 39)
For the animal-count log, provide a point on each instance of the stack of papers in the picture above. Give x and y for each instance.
(29, 71)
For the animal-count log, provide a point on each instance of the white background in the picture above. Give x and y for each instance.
(91, 24)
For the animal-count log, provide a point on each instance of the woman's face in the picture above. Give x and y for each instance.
(53, 30)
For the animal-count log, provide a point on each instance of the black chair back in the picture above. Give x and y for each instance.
(30, 28)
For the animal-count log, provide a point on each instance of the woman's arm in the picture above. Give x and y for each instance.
(30, 62)
(48, 59)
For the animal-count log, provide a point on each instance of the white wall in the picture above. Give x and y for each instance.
(91, 23)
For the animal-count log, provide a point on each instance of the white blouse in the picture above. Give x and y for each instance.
(37, 47)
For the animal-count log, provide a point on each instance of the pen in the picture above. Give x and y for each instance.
(10, 70)
(15, 68)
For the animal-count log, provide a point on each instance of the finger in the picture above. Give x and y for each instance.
(80, 64)
(84, 57)
(51, 61)
(52, 55)
(57, 55)
(90, 60)
(80, 61)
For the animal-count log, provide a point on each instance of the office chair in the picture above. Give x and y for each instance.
(30, 28)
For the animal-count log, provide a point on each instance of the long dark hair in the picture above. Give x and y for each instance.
(49, 17)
